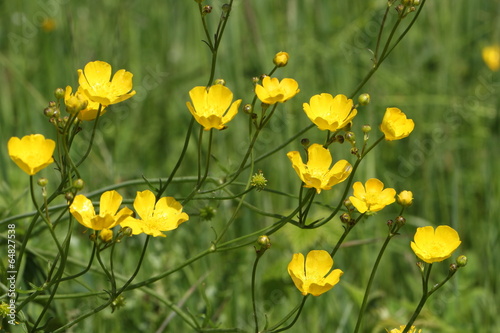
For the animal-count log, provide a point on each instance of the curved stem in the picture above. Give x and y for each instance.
(297, 309)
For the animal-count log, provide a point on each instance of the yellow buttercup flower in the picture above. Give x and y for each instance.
(491, 56)
(317, 173)
(95, 81)
(435, 245)
(108, 217)
(164, 215)
(212, 108)
(273, 90)
(372, 197)
(405, 198)
(402, 328)
(79, 102)
(281, 59)
(330, 113)
(395, 125)
(311, 276)
(32, 153)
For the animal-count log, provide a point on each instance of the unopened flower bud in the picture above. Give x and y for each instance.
(264, 242)
(69, 196)
(247, 108)
(345, 218)
(461, 261)
(400, 220)
(339, 138)
(226, 8)
(366, 128)
(390, 223)
(350, 136)
(305, 142)
(206, 10)
(220, 81)
(255, 80)
(127, 231)
(281, 59)
(263, 76)
(364, 99)
(348, 204)
(453, 267)
(405, 198)
(78, 184)
(354, 151)
(106, 235)
(52, 104)
(42, 182)
(59, 93)
(49, 112)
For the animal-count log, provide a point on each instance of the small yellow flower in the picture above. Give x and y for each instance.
(164, 215)
(491, 56)
(95, 81)
(372, 197)
(435, 245)
(32, 153)
(78, 100)
(83, 211)
(273, 90)
(328, 112)
(402, 328)
(311, 276)
(281, 59)
(317, 173)
(212, 108)
(395, 125)
(405, 198)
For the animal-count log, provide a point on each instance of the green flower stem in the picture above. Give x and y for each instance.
(201, 179)
(391, 234)
(106, 271)
(426, 293)
(254, 304)
(303, 214)
(86, 269)
(179, 161)
(407, 28)
(379, 36)
(111, 299)
(387, 50)
(297, 309)
(92, 136)
(347, 229)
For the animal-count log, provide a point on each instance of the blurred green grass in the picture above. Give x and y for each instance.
(436, 76)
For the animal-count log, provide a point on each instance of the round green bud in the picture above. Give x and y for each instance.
(305, 142)
(350, 136)
(78, 184)
(400, 220)
(52, 104)
(127, 231)
(49, 112)
(390, 223)
(339, 138)
(461, 261)
(354, 151)
(207, 213)
(69, 196)
(348, 204)
(247, 108)
(453, 267)
(220, 81)
(226, 8)
(255, 80)
(206, 9)
(59, 93)
(263, 76)
(366, 128)
(364, 99)
(264, 242)
(42, 182)
(345, 218)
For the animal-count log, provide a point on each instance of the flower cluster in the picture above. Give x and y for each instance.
(164, 215)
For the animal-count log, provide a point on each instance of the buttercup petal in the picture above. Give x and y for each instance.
(110, 202)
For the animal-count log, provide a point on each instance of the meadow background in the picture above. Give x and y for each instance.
(450, 162)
